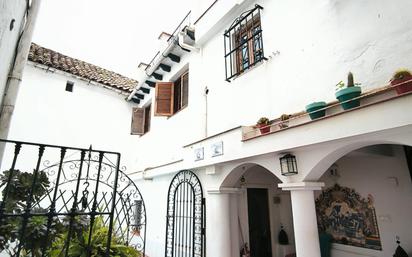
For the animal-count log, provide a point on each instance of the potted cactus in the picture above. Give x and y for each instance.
(348, 92)
(313, 108)
(399, 81)
(264, 125)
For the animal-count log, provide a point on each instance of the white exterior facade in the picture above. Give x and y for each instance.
(323, 52)
(310, 47)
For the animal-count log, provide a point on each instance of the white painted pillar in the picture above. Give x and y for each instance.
(234, 224)
(304, 217)
(218, 223)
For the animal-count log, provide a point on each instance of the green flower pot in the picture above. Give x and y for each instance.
(311, 109)
(347, 94)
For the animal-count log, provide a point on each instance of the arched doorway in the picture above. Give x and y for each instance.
(367, 201)
(261, 210)
(185, 220)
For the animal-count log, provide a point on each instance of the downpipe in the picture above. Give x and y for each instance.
(15, 76)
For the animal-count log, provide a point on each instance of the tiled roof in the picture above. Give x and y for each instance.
(80, 68)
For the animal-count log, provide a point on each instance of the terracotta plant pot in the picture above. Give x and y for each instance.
(312, 110)
(263, 128)
(346, 94)
(403, 88)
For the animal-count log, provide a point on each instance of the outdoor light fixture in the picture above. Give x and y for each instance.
(288, 165)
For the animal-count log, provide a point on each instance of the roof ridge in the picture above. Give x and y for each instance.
(86, 70)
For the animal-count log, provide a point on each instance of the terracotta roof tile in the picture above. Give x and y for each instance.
(80, 68)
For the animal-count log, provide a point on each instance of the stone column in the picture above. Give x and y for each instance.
(304, 217)
(218, 223)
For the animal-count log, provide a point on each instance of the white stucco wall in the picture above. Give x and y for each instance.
(378, 175)
(8, 38)
(318, 43)
(155, 195)
(90, 115)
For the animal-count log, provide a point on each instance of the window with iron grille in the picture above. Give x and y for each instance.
(243, 43)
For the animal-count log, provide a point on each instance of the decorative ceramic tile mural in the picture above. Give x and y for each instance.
(349, 218)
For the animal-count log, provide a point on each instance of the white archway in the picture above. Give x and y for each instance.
(370, 186)
(249, 178)
(268, 162)
(317, 159)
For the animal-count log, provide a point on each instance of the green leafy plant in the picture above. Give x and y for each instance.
(263, 121)
(284, 121)
(402, 81)
(80, 238)
(401, 74)
(19, 188)
(284, 117)
(263, 125)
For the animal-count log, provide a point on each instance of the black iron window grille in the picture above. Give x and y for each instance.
(243, 43)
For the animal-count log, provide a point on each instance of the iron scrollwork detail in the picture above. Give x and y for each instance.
(84, 187)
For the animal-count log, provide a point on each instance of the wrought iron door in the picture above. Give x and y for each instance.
(62, 201)
(185, 220)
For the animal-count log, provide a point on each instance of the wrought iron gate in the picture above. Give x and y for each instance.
(185, 220)
(65, 201)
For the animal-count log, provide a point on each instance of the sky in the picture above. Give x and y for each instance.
(116, 35)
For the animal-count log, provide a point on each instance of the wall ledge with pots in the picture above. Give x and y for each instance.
(334, 108)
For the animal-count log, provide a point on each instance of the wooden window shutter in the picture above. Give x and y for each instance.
(164, 99)
(185, 89)
(138, 121)
(147, 114)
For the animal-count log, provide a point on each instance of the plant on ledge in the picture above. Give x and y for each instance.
(264, 125)
(316, 110)
(345, 93)
(399, 81)
(284, 121)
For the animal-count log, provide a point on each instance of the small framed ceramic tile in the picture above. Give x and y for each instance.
(199, 154)
(216, 149)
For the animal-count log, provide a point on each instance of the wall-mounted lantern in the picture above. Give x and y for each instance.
(288, 165)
